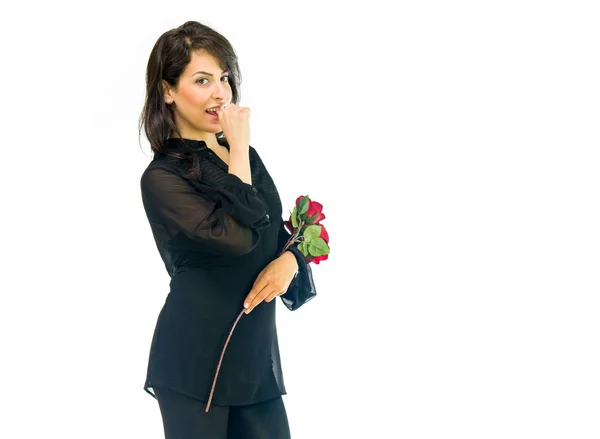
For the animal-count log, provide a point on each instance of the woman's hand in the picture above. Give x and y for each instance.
(235, 122)
(273, 281)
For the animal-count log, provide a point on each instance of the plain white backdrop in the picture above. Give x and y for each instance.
(454, 146)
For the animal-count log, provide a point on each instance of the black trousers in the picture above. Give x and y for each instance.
(185, 418)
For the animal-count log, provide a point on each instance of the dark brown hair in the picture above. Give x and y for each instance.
(170, 55)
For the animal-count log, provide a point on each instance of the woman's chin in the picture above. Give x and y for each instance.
(212, 128)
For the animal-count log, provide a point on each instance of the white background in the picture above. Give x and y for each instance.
(454, 146)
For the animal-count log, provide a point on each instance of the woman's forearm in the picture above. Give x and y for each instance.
(239, 163)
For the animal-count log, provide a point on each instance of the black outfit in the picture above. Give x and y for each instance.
(215, 234)
(185, 418)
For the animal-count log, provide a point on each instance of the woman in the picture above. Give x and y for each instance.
(215, 215)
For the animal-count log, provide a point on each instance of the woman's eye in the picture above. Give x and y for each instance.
(202, 79)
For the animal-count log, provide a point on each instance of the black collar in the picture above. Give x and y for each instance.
(177, 143)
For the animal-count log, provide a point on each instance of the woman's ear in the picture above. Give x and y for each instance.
(168, 93)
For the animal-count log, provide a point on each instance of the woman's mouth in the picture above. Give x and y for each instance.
(213, 115)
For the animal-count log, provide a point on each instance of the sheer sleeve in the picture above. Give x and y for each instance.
(302, 288)
(224, 221)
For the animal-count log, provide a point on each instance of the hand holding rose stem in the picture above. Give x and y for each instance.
(290, 242)
(305, 218)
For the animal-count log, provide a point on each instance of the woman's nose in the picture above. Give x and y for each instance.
(220, 92)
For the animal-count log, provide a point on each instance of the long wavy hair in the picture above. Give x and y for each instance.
(170, 55)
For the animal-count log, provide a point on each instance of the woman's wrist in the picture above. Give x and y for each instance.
(239, 164)
(292, 258)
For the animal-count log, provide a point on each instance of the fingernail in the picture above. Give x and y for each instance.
(247, 311)
(245, 305)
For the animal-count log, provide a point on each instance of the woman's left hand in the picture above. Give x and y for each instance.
(272, 281)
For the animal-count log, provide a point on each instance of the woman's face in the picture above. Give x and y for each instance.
(195, 93)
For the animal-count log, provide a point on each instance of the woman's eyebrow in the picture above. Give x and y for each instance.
(209, 74)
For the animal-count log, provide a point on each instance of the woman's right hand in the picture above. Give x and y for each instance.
(235, 123)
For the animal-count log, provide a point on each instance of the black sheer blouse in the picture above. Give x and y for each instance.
(215, 234)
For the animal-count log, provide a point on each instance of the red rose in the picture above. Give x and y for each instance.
(325, 236)
(313, 208)
(317, 259)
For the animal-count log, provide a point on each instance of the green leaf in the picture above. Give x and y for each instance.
(303, 248)
(294, 220)
(318, 247)
(312, 232)
(303, 205)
